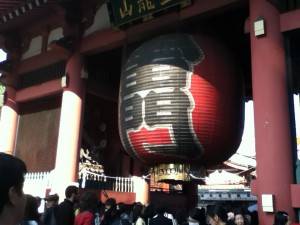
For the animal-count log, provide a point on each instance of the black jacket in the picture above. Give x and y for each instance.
(160, 219)
(46, 218)
(64, 213)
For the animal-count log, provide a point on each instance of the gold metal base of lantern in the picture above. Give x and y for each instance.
(171, 173)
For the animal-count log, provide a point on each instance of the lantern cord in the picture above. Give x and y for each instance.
(101, 175)
(146, 176)
(85, 173)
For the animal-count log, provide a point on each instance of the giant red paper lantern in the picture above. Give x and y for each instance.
(181, 101)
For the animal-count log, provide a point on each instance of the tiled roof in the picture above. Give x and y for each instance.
(15, 14)
(242, 160)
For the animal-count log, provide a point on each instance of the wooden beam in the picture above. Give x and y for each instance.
(290, 20)
(43, 59)
(200, 7)
(38, 91)
(102, 41)
(102, 91)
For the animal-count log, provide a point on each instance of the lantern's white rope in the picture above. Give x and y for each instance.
(83, 178)
(147, 176)
(85, 173)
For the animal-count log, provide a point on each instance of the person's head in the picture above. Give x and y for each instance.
(239, 217)
(160, 208)
(216, 215)
(39, 200)
(110, 203)
(122, 207)
(88, 201)
(230, 216)
(181, 216)
(52, 200)
(31, 209)
(195, 215)
(149, 211)
(12, 198)
(137, 212)
(281, 218)
(72, 193)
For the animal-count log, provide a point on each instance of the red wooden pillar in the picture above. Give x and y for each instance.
(271, 112)
(8, 123)
(67, 155)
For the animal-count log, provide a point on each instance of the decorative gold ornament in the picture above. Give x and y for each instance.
(171, 172)
(88, 164)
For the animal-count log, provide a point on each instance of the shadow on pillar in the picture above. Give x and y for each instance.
(190, 191)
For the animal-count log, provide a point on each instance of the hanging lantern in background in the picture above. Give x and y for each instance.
(181, 105)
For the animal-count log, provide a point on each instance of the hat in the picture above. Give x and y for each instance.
(52, 198)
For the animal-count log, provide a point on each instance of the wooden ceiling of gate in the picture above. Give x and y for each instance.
(15, 14)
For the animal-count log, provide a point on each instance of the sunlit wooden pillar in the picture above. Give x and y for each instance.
(8, 122)
(271, 111)
(141, 189)
(67, 155)
(141, 186)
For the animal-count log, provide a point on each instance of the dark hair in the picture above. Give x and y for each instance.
(217, 210)
(122, 207)
(52, 198)
(160, 208)
(137, 212)
(31, 209)
(196, 214)
(72, 189)
(111, 202)
(240, 211)
(111, 213)
(12, 172)
(149, 211)
(280, 218)
(88, 201)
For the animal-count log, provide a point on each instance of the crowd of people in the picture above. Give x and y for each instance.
(85, 208)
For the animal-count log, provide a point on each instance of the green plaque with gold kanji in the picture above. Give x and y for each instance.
(125, 11)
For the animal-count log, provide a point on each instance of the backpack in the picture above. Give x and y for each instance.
(124, 222)
(97, 220)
